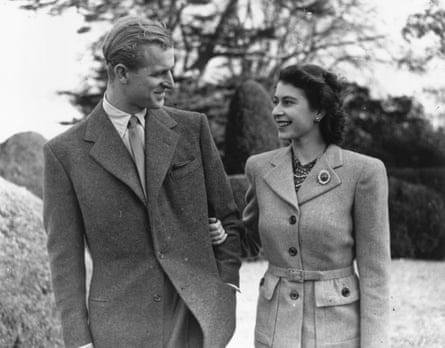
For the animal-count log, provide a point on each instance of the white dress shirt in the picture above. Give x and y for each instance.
(120, 120)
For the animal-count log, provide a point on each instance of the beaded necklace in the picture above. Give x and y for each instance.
(300, 171)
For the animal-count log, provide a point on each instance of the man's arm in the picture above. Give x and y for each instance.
(221, 205)
(64, 225)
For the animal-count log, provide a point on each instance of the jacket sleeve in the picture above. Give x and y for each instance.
(251, 240)
(64, 226)
(371, 225)
(221, 205)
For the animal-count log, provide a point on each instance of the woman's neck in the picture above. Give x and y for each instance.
(306, 152)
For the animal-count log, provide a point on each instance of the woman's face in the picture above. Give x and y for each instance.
(292, 113)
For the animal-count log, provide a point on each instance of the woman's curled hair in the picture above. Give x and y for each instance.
(324, 92)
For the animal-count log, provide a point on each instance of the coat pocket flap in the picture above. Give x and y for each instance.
(267, 285)
(336, 292)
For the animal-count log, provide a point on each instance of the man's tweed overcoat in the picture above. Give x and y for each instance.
(93, 197)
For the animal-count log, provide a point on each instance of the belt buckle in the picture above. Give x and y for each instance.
(295, 275)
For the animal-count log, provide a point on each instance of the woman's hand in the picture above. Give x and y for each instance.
(217, 233)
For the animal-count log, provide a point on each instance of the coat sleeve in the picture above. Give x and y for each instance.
(64, 226)
(251, 238)
(221, 204)
(371, 225)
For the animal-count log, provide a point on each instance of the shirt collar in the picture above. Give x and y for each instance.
(120, 118)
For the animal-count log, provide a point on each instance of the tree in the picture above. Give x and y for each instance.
(395, 130)
(250, 38)
(429, 24)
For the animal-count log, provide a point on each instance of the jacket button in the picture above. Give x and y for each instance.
(262, 282)
(345, 292)
(293, 220)
(161, 255)
(293, 251)
(157, 298)
(294, 295)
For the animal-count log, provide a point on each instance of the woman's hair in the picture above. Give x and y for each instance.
(324, 93)
(122, 45)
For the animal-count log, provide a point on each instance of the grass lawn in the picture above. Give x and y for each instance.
(417, 299)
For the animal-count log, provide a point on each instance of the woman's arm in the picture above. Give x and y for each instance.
(371, 225)
(251, 239)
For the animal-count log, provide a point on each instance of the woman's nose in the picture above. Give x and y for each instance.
(277, 111)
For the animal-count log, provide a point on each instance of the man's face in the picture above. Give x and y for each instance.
(146, 86)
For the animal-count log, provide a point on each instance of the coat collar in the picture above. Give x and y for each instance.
(110, 152)
(281, 180)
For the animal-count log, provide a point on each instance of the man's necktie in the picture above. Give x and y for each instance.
(137, 145)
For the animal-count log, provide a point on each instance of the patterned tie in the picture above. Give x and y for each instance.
(137, 145)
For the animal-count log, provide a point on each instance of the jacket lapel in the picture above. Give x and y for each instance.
(318, 182)
(110, 152)
(280, 178)
(161, 143)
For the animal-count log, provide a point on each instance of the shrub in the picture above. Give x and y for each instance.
(27, 311)
(417, 219)
(21, 161)
(250, 128)
(432, 177)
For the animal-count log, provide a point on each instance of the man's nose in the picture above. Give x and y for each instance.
(168, 82)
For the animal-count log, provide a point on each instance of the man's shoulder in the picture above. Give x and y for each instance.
(181, 115)
(72, 134)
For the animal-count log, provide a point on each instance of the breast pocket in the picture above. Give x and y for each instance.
(337, 311)
(267, 309)
(183, 168)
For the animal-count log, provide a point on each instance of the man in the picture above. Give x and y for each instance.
(136, 183)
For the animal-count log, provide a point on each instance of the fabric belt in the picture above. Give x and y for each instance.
(300, 275)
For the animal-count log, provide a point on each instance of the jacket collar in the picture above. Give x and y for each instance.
(110, 152)
(281, 180)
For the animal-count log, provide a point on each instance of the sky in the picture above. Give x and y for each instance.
(43, 54)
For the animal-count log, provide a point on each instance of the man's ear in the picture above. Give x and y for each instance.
(121, 73)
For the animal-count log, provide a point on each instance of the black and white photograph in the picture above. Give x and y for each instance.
(222, 174)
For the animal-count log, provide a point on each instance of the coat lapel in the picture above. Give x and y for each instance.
(280, 178)
(161, 143)
(312, 185)
(110, 152)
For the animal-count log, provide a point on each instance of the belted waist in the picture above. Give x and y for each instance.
(300, 275)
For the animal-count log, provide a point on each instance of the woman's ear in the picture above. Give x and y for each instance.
(318, 116)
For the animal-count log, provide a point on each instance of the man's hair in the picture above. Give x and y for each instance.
(122, 44)
(324, 92)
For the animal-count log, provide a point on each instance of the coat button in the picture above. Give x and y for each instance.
(294, 295)
(293, 251)
(157, 298)
(161, 255)
(345, 292)
(262, 282)
(293, 220)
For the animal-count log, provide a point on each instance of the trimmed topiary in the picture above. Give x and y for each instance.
(21, 161)
(417, 219)
(250, 128)
(27, 311)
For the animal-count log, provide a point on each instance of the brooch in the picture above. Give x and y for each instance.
(323, 177)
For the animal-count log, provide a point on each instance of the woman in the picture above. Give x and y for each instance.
(315, 208)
